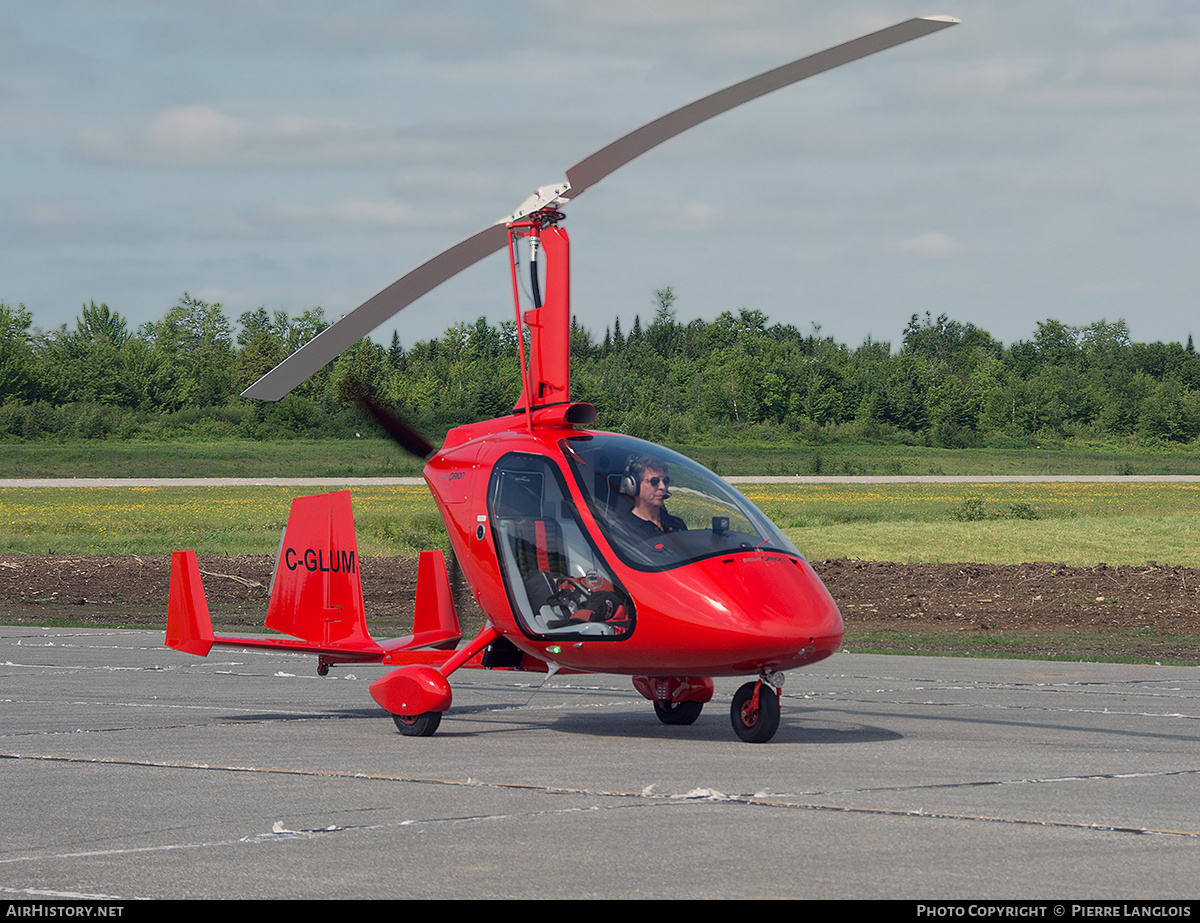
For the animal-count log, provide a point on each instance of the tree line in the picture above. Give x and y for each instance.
(948, 384)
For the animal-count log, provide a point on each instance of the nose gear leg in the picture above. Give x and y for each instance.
(755, 709)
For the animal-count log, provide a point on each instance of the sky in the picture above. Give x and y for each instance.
(1037, 161)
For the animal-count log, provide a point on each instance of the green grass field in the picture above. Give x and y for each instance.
(748, 454)
(1072, 523)
(1075, 524)
(1079, 524)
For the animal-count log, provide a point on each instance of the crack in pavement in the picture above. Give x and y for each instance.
(643, 798)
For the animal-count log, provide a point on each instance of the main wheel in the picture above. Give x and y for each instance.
(679, 713)
(755, 725)
(422, 725)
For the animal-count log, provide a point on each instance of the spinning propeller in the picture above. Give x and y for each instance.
(340, 336)
(403, 434)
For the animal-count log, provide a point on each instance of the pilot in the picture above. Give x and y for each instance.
(646, 481)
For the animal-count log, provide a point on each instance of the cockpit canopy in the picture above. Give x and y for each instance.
(718, 519)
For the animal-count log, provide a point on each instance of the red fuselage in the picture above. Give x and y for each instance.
(736, 611)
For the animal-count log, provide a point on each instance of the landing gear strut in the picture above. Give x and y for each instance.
(755, 712)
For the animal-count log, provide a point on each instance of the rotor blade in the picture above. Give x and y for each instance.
(351, 328)
(591, 170)
(406, 436)
(340, 336)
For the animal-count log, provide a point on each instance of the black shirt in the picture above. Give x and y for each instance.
(633, 528)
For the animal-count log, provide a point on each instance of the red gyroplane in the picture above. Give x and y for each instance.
(562, 533)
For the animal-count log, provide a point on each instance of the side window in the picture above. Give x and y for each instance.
(557, 582)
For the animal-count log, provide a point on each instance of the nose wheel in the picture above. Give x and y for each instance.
(755, 712)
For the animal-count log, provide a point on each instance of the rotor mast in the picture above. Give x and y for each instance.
(546, 372)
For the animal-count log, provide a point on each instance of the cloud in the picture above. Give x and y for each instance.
(1074, 179)
(201, 136)
(933, 245)
(1086, 79)
(687, 217)
(365, 213)
(636, 13)
(1168, 61)
(51, 215)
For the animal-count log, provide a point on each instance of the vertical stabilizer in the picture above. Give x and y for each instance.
(189, 626)
(318, 593)
(435, 623)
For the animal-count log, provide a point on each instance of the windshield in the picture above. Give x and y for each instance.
(659, 509)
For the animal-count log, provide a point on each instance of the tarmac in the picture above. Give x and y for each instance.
(131, 771)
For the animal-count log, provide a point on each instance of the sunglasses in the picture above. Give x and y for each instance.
(654, 482)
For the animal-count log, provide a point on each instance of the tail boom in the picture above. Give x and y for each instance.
(190, 630)
(317, 598)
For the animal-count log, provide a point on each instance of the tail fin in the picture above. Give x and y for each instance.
(189, 626)
(435, 624)
(317, 593)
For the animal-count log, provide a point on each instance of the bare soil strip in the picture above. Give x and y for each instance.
(1037, 609)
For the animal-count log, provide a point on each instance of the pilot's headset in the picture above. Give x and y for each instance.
(631, 478)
